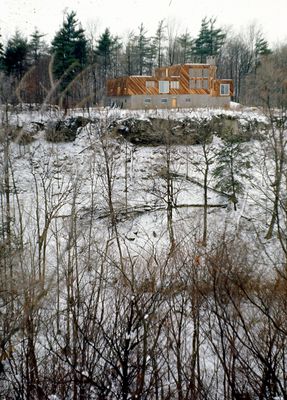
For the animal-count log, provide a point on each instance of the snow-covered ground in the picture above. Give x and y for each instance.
(94, 218)
(138, 187)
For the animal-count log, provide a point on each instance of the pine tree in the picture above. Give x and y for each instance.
(262, 46)
(261, 49)
(36, 83)
(36, 46)
(15, 60)
(209, 40)
(232, 165)
(158, 42)
(104, 52)
(69, 48)
(186, 47)
(200, 44)
(144, 52)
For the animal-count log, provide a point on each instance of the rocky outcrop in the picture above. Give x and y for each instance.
(65, 130)
(153, 131)
(188, 131)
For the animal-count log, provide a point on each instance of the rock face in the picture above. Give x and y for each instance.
(154, 131)
(148, 130)
(65, 130)
(188, 131)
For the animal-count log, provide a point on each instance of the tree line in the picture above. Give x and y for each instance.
(74, 67)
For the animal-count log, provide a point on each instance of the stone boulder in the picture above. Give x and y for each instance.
(65, 130)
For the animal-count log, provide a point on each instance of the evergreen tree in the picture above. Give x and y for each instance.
(108, 59)
(232, 165)
(262, 46)
(15, 60)
(158, 42)
(261, 49)
(37, 80)
(144, 52)
(104, 52)
(185, 43)
(37, 46)
(209, 40)
(69, 48)
(201, 42)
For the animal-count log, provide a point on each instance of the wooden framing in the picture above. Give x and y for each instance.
(186, 79)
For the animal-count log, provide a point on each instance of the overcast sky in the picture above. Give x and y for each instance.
(122, 16)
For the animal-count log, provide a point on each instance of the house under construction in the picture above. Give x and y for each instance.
(178, 86)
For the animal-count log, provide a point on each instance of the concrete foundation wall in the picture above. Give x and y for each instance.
(139, 102)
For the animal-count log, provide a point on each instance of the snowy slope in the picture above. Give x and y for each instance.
(138, 188)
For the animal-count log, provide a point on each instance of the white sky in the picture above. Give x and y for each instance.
(122, 16)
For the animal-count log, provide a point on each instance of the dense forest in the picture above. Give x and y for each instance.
(128, 270)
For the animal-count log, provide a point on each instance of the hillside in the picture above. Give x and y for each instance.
(125, 264)
(136, 147)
